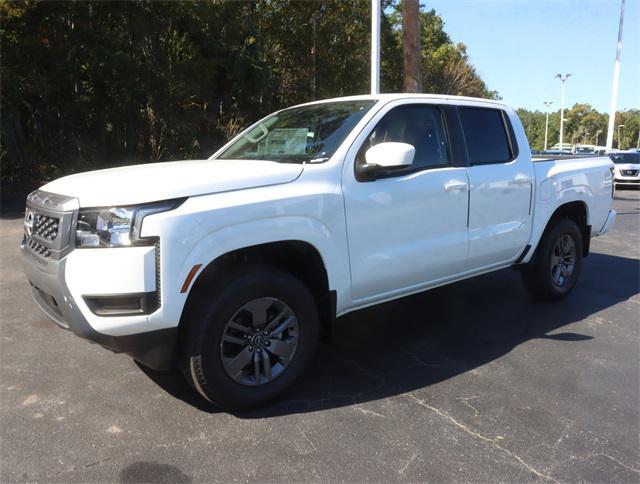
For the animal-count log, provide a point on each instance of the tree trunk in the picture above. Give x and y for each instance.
(411, 45)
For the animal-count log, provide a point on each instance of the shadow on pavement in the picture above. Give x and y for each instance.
(142, 472)
(424, 339)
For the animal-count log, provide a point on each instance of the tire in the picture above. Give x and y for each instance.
(553, 274)
(223, 326)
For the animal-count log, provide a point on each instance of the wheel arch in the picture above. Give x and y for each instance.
(576, 210)
(297, 257)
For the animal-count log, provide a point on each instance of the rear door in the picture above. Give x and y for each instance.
(501, 182)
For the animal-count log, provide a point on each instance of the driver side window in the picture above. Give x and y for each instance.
(419, 125)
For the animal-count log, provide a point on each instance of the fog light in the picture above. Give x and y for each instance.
(123, 304)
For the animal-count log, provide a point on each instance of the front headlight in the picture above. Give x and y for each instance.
(117, 226)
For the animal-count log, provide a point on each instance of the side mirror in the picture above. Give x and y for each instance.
(390, 155)
(386, 156)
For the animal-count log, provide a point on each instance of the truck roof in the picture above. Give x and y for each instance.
(408, 95)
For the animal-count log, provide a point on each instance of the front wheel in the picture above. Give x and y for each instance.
(250, 339)
(557, 263)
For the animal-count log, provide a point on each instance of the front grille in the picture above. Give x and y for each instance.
(46, 227)
(38, 249)
(48, 224)
(42, 236)
(629, 172)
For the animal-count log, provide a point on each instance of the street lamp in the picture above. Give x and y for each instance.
(546, 126)
(619, 126)
(598, 133)
(563, 78)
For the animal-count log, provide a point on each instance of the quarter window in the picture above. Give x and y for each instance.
(418, 125)
(485, 134)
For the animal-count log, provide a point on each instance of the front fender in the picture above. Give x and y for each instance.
(330, 244)
(277, 229)
(207, 227)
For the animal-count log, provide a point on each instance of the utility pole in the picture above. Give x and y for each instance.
(546, 125)
(375, 46)
(619, 139)
(616, 81)
(563, 78)
(411, 51)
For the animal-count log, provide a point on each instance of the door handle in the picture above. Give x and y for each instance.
(455, 185)
(522, 179)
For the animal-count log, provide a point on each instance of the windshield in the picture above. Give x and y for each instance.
(625, 157)
(298, 135)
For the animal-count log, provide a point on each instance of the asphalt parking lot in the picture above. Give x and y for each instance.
(471, 382)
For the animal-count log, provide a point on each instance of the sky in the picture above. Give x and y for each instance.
(517, 46)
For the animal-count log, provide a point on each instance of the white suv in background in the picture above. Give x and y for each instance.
(627, 168)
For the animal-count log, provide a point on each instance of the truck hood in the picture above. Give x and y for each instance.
(134, 184)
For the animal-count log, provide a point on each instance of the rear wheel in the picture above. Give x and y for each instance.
(557, 263)
(251, 338)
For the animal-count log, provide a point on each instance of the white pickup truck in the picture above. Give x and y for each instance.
(236, 265)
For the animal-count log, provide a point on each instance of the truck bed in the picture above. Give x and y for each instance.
(587, 179)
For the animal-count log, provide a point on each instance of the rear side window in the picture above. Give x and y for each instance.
(486, 136)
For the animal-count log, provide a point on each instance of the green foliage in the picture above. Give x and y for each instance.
(583, 125)
(93, 84)
(630, 133)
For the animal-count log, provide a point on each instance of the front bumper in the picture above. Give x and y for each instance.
(51, 294)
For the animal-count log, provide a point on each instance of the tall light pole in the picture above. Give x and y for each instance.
(616, 81)
(598, 133)
(619, 126)
(546, 125)
(375, 46)
(563, 78)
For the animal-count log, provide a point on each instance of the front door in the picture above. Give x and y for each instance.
(406, 228)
